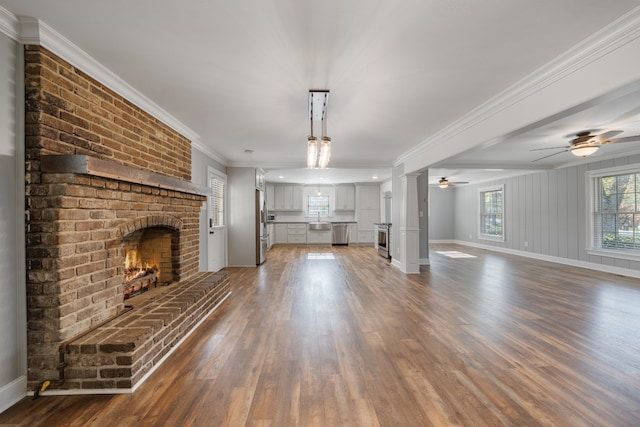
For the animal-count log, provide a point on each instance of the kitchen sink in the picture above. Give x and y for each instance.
(319, 226)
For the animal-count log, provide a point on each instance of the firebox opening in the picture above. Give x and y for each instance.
(148, 260)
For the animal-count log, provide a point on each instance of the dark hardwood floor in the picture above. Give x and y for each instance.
(336, 336)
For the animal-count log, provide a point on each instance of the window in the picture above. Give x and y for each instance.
(318, 205)
(492, 213)
(616, 211)
(216, 201)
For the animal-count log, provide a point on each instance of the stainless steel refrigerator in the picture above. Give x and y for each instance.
(262, 234)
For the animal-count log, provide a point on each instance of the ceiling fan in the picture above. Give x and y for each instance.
(585, 144)
(444, 182)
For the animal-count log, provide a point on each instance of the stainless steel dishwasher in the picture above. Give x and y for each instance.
(340, 233)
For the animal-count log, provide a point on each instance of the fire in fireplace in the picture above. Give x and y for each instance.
(148, 260)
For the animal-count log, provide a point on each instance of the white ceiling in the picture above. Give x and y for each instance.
(237, 73)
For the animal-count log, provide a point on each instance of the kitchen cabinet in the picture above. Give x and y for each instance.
(270, 196)
(288, 198)
(368, 197)
(319, 237)
(345, 197)
(367, 212)
(260, 183)
(272, 235)
(281, 233)
(297, 233)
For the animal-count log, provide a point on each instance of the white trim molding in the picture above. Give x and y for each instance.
(9, 24)
(13, 392)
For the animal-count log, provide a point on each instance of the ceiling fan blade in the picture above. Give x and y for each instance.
(620, 140)
(559, 152)
(608, 135)
(548, 148)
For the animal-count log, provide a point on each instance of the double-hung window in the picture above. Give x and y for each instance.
(615, 210)
(492, 213)
(318, 205)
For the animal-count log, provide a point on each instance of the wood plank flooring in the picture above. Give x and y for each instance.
(336, 336)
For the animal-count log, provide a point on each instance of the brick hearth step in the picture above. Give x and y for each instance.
(117, 355)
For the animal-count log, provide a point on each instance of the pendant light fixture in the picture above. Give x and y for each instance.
(318, 156)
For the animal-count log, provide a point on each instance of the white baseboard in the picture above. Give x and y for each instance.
(558, 260)
(13, 392)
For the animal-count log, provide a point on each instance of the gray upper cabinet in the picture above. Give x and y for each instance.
(345, 197)
(288, 198)
(271, 196)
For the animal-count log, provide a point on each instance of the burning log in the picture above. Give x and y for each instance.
(140, 281)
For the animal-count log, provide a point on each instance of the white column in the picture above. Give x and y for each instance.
(410, 227)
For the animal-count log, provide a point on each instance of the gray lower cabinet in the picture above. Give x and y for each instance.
(319, 237)
(281, 233)
(297, 233)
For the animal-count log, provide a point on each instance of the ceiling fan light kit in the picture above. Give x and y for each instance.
(445, 183)
(318, 157)
(584, 150)
(585, 144)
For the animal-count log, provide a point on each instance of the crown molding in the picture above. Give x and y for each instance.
(33, 31)
(209, 152)
(601, 43)
(9, 24)
(70, 52)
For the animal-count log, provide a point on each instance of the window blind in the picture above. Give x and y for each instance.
(216, 202)
(616, 212)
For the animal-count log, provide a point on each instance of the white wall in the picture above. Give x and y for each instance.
(12, 287)
(546, 215)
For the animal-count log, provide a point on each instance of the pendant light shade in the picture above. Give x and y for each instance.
(325, 152)
(318, 154)
(312, 152)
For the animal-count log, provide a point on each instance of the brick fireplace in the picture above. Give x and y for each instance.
(100, 173)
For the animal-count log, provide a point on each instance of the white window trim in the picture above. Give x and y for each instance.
(591, 177)
(486, 236)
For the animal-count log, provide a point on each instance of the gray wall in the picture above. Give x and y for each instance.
(200, 163)
(545, 213)
(423, 217)
(441, 213)
(396, 211)
(12, 287)
(241, 214)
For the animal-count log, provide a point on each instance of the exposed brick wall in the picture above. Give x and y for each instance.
(70, 113)
(77, 223)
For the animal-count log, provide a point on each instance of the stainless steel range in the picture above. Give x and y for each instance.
(384, 239)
